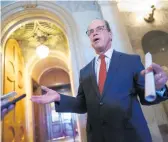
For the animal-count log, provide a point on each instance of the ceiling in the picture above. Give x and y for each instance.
(41, 32)
(33, 34)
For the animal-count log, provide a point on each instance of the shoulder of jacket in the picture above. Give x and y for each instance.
(127, 55)
(87, 66)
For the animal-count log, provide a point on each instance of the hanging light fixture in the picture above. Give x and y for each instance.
(42, 50)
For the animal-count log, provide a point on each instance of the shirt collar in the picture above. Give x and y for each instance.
(107, 54)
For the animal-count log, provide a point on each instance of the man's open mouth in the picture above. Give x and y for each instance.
(96, 40)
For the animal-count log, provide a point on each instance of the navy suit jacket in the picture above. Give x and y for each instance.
(106, 112)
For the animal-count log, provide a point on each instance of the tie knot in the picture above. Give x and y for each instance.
(102, 56)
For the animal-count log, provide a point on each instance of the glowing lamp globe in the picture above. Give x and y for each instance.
(42, 51)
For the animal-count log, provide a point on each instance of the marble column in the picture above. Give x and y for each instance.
(110, 12)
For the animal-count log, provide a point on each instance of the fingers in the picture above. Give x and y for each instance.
(39, 99)
(36, 100)
(45, 88)
(154, 67)
(160, 81)
(143, 72)
(161, 76)
(159, 84)
(36, 97)
(4, 112)
(157, 68)
(10, 107)
(157, 77)
(149, 69)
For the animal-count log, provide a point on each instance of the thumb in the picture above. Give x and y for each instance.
(142, 72)
(45, 88)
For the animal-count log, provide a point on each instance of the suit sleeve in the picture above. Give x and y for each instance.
(72, 104)
(139, 83)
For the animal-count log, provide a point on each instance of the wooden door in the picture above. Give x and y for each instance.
(14, 128)
(40, 124)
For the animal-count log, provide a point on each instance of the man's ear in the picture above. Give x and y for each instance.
(110, 33)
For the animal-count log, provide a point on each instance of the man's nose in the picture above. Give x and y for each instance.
(95, 33)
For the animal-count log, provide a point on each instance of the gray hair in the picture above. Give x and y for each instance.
(107, 25)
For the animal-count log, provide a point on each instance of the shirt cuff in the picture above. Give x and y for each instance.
(162, 92)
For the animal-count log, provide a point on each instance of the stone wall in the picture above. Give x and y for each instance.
(83, 13)
(156, 115)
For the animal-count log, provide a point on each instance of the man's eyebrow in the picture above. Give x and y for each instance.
(97, 26)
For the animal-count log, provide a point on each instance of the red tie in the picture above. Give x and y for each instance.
(102, 73)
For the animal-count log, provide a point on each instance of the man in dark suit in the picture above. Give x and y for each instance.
(114, 112)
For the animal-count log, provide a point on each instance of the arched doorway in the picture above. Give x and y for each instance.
(19, 14)
(53, 73)
(60, 126)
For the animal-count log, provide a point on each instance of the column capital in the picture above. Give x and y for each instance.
(104, 2)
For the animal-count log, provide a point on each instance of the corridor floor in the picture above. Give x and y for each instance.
(66, 140)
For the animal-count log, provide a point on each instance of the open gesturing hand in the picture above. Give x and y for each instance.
(49, 97)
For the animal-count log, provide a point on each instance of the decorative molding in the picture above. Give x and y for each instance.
(30, 6)
(41, 32)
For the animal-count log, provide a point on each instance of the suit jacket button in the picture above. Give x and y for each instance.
(101, 103)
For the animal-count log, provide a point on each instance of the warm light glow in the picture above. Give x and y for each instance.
(42, 51)
(152, 2)
(140, 16)
(146, 13)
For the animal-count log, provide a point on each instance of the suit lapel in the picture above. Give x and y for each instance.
(111, 74)
(93, 78)
(114, 65)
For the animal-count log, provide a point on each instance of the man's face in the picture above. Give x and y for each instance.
(99, 36)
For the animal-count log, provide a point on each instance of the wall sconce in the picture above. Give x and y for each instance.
(150, 17)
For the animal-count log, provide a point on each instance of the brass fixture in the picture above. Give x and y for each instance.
(150, 17)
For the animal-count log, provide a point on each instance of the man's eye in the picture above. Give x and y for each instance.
(99, 28)
(91, 31)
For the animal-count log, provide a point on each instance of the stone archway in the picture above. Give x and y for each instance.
(43, 114)
(18, 13)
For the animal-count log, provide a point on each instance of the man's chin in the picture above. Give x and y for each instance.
(98, 48)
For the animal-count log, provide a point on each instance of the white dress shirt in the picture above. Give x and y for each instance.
(108, 55)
